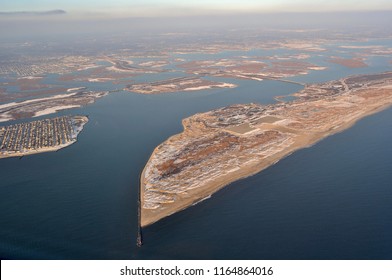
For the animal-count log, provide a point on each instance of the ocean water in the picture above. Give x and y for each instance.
(328, 201)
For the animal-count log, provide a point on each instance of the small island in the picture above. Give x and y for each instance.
(227, 144)
(356, 62)
(40, 136)
(176, 85)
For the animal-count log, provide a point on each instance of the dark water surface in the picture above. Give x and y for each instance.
(329, 201)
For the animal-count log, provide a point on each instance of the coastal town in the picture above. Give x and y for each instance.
(42, 65)
(40, 136)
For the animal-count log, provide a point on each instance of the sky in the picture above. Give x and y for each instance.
(146, 8)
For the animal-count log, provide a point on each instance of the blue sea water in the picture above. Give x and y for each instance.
(328, 201)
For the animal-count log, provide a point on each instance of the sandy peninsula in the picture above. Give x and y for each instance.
(227, 144)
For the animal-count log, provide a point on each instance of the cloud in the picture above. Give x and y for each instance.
(33, 13)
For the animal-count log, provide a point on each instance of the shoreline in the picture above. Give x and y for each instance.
(212, 187)
(44, 150)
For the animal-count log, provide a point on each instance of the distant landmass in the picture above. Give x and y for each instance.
(33, 13)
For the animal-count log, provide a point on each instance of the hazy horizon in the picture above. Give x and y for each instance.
(168, 8)
(58, 23)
